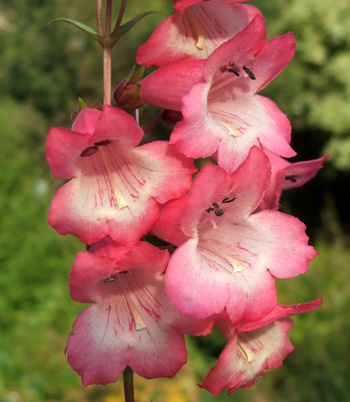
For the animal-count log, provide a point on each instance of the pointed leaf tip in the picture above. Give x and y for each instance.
(85, 28)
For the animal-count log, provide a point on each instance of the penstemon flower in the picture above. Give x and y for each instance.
(195, 31)
(131, 322)
(222, 114)
(172, 251)
(115, 186)
(232, 253)
(253, 348)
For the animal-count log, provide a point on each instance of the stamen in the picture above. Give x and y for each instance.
(229, 199)
(216, 208)
(109, 279)
(236, 264)
(218, 212)
(102, 143)
(196, 26)
(89, 151)
(246, 350)
(231, 128)
(230, 67)
(249, 72)
(293, 178)
(120, 200)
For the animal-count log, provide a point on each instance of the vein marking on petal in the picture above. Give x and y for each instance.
(196, 25)
(249, 355)
(138, 321)
(118, 197)
(236, 264)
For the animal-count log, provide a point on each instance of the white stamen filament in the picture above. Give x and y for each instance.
(246, 350)
(231, 128)
(196, 25)
(236, 264)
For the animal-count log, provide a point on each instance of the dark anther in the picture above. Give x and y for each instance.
(229, 199)
(89, 151)
(102, 143)
(109, 279)
(218, 212)
(124, 272)
(232, 68)
(294, 178)
(216, 208)
(249, 72)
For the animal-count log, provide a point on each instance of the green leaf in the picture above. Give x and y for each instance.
(90, 31)
(123, 29)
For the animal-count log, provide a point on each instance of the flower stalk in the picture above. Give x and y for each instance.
(128, 380)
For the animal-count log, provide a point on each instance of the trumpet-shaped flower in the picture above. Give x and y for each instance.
(222, 113)
(115, 187)
(130, 322)
(230, 255)
(195, 31)
(287, 175)
(253, 348)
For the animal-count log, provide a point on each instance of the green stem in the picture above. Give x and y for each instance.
(128, 380)
(99, 17)
(107, 62)
(120, 16)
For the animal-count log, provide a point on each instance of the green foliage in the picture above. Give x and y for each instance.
(314, 91)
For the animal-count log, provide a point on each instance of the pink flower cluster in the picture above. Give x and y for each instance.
(173, 251)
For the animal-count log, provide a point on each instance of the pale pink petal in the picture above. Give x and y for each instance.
(281, 311)
(166, 87)
(168, 225)
(198, 134)
(193, 285)
(86, 120)
(63, 147)
(299, 173)
(281, 241)
(271, 60)
(286, 175)
(115, 124)
(176, 175)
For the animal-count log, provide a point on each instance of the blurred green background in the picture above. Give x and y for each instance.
(43, 70)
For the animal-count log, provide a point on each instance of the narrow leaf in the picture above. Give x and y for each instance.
(127, 26)
(90, 31)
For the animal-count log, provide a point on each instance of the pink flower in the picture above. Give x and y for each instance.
(130, 322)
(253, 348)
(195, 31)
(287, 175)
(116, 186)
(229, 255)
(222, 113)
